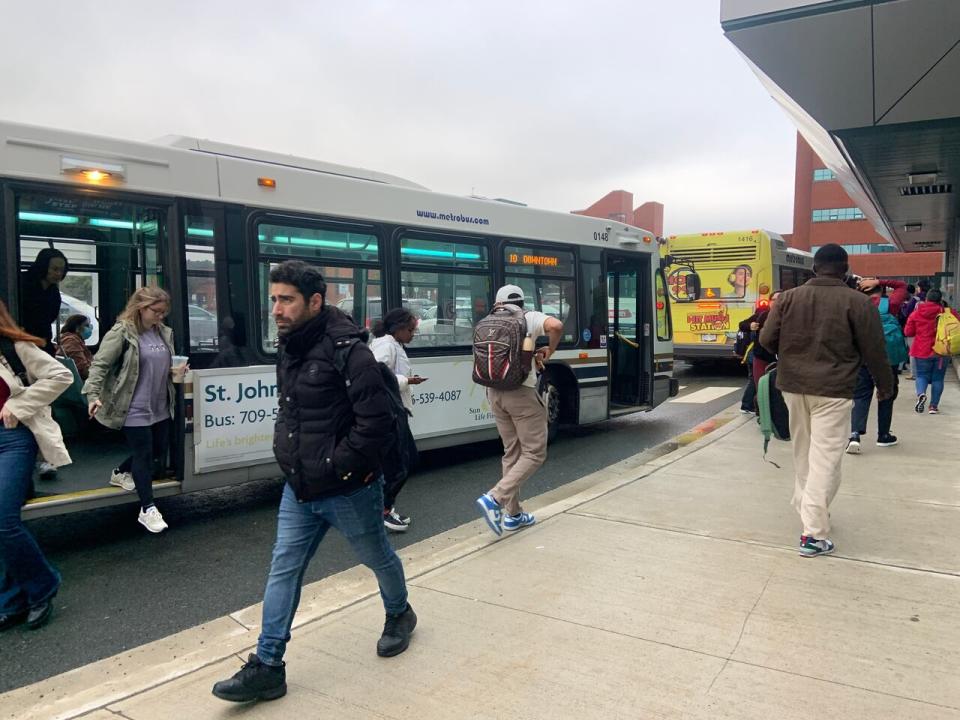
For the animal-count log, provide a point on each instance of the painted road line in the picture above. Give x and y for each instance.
(706, 395)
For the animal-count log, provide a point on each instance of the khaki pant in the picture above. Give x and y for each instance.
(819, 429)
(522, 423)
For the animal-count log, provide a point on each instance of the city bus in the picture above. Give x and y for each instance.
(738, 271)
(207, 221)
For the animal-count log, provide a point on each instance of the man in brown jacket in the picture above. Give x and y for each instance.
(823, 332)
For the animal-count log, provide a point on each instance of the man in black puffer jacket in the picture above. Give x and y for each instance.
(328, 438)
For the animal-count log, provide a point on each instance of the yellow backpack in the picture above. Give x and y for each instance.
(947, 341)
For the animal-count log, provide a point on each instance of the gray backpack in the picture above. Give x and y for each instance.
(499, 358)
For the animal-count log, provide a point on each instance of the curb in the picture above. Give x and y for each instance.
(101, 683)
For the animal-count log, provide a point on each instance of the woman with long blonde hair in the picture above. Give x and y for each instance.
(130, 388)
(30, 380)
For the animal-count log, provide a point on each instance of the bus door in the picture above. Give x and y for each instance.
(112, 246)
(628, 331)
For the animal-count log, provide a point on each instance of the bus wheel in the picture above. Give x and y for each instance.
(552, 396)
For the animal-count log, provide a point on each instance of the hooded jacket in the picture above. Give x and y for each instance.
(922, 325)
(331, 427)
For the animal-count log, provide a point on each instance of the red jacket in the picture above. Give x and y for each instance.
(922, 326)
(897, 298)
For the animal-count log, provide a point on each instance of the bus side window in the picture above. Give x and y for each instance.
(447, 283)
(201, 284)
(347, 257)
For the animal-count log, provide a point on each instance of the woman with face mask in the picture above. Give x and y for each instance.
(40, 295)
(72, 342)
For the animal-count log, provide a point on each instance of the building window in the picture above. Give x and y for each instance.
(821, 174)
(863, 248)
(837, 214)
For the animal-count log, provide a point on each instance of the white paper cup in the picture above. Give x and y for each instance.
(178, 366)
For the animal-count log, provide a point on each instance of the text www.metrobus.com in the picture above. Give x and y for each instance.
(452, 217)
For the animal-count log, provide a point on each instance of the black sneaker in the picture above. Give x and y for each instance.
(921, 403)
(254, 681)
(887, 440)
(396, 633)
(392, 520)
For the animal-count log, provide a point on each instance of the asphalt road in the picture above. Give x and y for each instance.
(124, 587)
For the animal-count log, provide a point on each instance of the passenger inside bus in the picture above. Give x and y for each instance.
(40, 294)
(71, 343)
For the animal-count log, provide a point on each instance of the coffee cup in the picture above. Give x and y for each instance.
(178, 367)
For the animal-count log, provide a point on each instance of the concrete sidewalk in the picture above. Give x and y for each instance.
(665, 587)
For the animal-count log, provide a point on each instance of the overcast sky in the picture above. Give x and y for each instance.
(553, 104)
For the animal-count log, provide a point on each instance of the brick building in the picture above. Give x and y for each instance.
(618, 205)
(824, 213)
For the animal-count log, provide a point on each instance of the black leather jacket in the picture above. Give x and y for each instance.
(330, 428)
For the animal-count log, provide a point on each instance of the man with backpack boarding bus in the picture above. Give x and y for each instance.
(503, 359)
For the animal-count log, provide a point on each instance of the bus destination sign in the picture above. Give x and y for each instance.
(533, 260)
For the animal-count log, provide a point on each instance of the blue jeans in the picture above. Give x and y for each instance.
(26, 578)
(930, 371)
(300, 528)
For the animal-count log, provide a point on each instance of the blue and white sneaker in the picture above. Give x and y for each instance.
(811, 547)
(490, 509)
(512, 523)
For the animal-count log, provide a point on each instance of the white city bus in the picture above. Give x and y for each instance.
(207, 221)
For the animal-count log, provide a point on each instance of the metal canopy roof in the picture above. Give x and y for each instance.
(872, 86)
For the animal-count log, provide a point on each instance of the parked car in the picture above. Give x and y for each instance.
(203, 328)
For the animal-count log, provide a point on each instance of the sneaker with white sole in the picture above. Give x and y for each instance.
(853, 444)
(811, 547)
(152, 520)
(921, 403)
(491, 512)
(122, 480)
(512, 523)
(394, 522)
(887, 440)
(934, 410)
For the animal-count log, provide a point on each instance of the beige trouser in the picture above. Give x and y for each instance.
(522, 423)
(819, 429)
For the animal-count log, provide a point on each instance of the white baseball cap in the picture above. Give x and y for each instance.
(509, 293)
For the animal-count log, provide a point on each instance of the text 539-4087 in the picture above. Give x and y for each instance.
(426, 398)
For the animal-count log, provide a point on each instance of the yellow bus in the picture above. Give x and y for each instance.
(738, 272)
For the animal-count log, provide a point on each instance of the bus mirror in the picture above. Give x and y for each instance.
(693, 286)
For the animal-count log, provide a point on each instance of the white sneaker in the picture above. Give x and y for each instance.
(152, 520)
(46, 470)
(123, 480)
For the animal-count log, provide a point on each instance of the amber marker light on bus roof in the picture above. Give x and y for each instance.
(267, 182)
(92, 171)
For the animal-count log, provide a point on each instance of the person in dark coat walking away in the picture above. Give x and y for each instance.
(863, 393)
(327, 441)
(822, 333)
